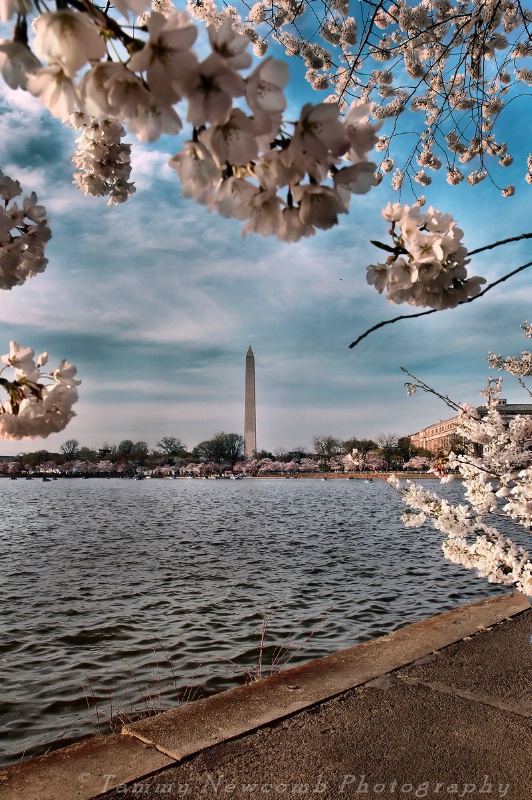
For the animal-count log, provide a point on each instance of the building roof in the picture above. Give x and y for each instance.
(510, 408)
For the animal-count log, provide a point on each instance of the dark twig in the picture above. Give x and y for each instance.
(389, 322)
(525, 387)
(496, 283)
(498, 244)
(434, 310)
(419, 384)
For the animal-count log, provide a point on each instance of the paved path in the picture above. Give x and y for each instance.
(438, 709)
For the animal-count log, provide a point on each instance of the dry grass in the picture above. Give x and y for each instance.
(110, 710)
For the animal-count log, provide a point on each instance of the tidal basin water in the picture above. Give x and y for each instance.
(125, 596)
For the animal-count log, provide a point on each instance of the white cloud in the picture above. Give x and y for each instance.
(23, 101)
(31, 179)
(149, 166)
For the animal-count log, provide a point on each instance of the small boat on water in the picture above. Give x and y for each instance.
(46, 479)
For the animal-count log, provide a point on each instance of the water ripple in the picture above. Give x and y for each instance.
(125, 597)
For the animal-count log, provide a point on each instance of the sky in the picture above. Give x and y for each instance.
(156, 302)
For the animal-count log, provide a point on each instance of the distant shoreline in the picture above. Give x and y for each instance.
(314, 475)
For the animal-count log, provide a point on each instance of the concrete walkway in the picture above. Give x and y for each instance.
(438, 709)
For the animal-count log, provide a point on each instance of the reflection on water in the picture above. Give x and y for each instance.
(125, 596)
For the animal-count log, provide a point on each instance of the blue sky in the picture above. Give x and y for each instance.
(156, 302)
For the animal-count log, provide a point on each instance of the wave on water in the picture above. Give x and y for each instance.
(121, 598)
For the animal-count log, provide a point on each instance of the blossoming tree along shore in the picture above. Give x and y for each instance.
(104, 69)
(496, 469)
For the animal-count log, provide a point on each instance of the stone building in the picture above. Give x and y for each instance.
(440, 437)
(436, 438)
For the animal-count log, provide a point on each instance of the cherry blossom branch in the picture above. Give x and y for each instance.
(434, 310)
(524, 386)
(501, 242)
(419, 384)
(389, 322)
(500, 280)
(497, 480)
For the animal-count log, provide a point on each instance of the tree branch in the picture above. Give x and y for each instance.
(389, 322)
(419, 384)
(469, 300)
(497, 244)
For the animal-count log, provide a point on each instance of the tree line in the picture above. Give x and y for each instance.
(225, 451)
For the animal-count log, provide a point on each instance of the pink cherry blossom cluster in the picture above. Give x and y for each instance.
(239, 172)
(495, 466)
(282, 179)
(427, 262)
(24, 233)
(430, 58)
(469, 541)
(520, 366)
(33, 407)
(457, 64)
(103, 159)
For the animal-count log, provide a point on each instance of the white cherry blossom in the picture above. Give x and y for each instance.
(319, 139)
(16, 62)
(68, 38)
(234, 198)
(127, 7)
(112, 90)
(496, 469)
(103, 160)
(167, 58)
(357, 179)
(428, 263)
(292, 227)
(319, 205)
(197, 170)
(264, 215)
(55, 89)
(265, 95)
(211, 90)
(24, 233)
(8, 8)
(38, 403)
(233, 141)
(231, 45)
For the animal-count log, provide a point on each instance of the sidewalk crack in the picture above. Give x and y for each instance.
(524, 709)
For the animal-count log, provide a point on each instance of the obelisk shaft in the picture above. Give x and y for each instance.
(250, 417)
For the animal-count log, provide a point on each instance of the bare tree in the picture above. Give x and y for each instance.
(125, 448)
(387, 444)
(140, 452)
(171, 447)
(70, 449)
(362, 446)
(326, 447)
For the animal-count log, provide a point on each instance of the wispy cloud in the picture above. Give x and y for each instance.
(157, 300)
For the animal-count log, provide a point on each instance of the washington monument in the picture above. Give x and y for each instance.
(250, 417)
